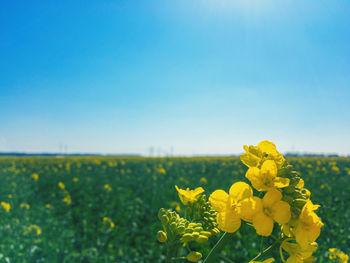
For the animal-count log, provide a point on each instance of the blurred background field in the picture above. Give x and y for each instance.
(104, 209)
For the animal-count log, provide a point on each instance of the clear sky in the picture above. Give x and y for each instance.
(188, 76)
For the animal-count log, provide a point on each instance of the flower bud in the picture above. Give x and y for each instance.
(194, 256)
(164, 219)
(202, 239)
(161, 212)
(161, 236)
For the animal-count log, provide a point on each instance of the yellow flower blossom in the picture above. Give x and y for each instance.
(67, 199)
(107, 187)
(337, 254)
(35, 228)
(61, 185)
(264, 212)
(203, 180)
(35, 176)
(266, 178)
(265, 150)
(308, 226)
(228, 206)
(24, 205)
(109, 221)
(6, 206)
(75, 179)
(189, 196)
(48, 206)
(9, 196)
(297, 253)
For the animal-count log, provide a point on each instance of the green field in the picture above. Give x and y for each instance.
(106, 208)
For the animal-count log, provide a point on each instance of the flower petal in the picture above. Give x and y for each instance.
(254, 176)
(281, 212)
(272, 196)
(281, 182)
(269, 170)
(228, 221)
(267, 147)
(249, 207)
(218, 200)
(263, 224)
(240, 191)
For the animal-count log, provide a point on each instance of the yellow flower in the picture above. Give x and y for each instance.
(67, 199)
(269, 260)
(36, 228)
(48, 206)
(308, 226)
(35, 177)
(189, 196)
(265, 150)
(228, 206)
(203, 180)
(266, 178)
(24, 205)
(264, 212)
(75, 179)
(107, 187)
(109, 221)
(6, 206)
(9, 196)
(61, 185)
(194, 256)
(297, 253)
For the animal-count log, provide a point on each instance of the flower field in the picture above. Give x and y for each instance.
(105, 209)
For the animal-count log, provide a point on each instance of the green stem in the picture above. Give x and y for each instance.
(218, 247)
(267, 250)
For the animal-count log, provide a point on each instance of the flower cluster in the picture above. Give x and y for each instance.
(197, 225)
(275, 204)
(338, 256)
(284, 201)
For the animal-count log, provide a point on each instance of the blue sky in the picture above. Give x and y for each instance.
(197, 77)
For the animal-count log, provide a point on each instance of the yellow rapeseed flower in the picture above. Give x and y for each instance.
(67, 199)
(266, 178)
(109, 221)
(75, 179)
(265, 150)
(337, 254)
(107, 187)
(297, 253)
(189, 196)
(36, 228)
(24, 205)
(35, 176)
(228, 206)
(48, 206)
(61, 185)
(308, 226)
(264, 212)
(6, 206)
